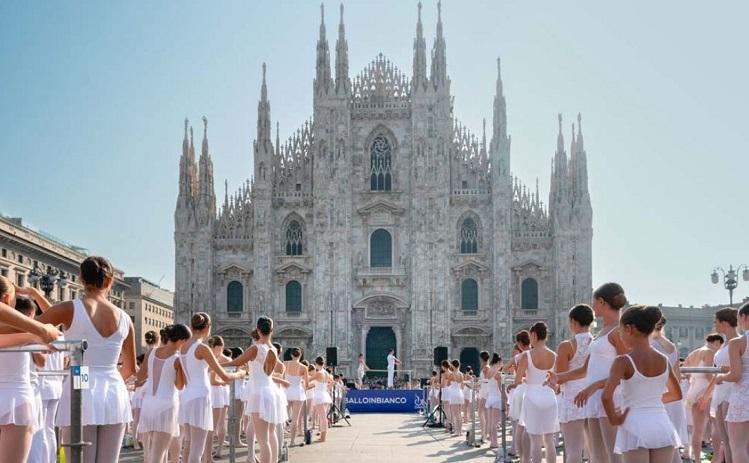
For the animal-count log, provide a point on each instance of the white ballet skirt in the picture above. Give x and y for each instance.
(265, 397)
(647, 424)
(159, 412)
(676, 411)
(722, 391)
(738, 402)
(295, 391)
(136, 398)
(50, 387)
(601, 354)
(516, 401)
(456, 394)
(320, 394)
(195, 407)
(17, 398)
(493, 394)
(106, 401)
(539, 410)
(697, 386)
(568, 411)
(483, 386)
(310, 394)
(446, 394)
(239, 388)
(219, 396)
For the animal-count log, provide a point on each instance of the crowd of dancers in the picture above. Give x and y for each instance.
(173, 400)
(614, 396)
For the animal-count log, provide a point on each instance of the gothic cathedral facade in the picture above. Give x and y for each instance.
(384, 222)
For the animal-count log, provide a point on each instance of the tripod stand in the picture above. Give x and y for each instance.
(438, 410)
(334, 413)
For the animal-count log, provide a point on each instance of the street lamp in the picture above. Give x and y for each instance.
(730, 278)
(48, 280)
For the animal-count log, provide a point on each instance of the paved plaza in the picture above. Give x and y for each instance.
(382, 438)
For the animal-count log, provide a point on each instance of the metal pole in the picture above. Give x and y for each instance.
(471, 437)
(502, 455)
(233, 428)
(76, 443)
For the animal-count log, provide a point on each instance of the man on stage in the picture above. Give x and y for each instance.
(392, 362)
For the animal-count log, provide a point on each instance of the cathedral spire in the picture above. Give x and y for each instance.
(342, 83)
(322, 77)
(263, 113)
(192, 167)
(420, 56)
(500, 107)
(185, 142)
(439, 54)
(186, 168)
(580, 131)
(278, 139)
(207, 193)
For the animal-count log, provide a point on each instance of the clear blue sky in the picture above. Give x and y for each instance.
(93, 95)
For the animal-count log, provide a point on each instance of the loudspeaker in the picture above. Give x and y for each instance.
(331, 356)
(440, 354)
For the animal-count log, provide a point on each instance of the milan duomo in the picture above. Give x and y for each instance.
(383, 222)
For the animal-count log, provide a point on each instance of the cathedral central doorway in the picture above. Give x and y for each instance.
(380, 339)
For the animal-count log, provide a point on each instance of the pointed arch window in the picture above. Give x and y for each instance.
(294, 238)
(381, 249)
(469, 237)
(381, 178)
(234, 297)
(529, 294)
(293, 297)
(469, 295)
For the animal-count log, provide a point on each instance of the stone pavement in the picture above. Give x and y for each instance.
(381, 438)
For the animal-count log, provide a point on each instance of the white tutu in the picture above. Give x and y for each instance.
(219, 396)
(295, 391)
(568, 411)
(136, 399)
(539, 410)
(106, 401)
(320, 395)
(197, 412)
(456, 394)
(265, 400)
(594, 406)
(17, 405)
(516, 401)
(646, 428)
(159, 415)
(678, 416)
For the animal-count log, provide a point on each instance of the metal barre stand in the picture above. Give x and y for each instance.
(76, 349)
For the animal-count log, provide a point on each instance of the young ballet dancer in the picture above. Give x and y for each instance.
(18, 407)
(361, 370)
(195, 410)
(296, 375)
(264, 404)
(737, 415)
(494, 399)
(457, 399)
(520, 442)
(699, 412)
(571, 354)
(716, 395)
(152, 340)
(321, 398)
(483, 392)
(105, 410)
(608, 299)
(645, 433)
(158, 423)
(675, 409)
(539, 412)
(219, 403)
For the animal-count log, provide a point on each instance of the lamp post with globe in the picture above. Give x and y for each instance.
(48, 280)
(730, 278)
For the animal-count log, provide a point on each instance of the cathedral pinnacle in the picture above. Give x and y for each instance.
(560, 137)
(263, 112)
(185, 143)
(420, 55)
(580, 131)
(342, 83)
(205, 136)
(322, 78)
(439, 54)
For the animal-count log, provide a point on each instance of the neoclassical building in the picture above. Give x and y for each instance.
(384, 222)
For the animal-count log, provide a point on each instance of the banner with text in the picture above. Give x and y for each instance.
(385, 401)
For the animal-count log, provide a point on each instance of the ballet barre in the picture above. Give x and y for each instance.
(76, 348)
(701, 370)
